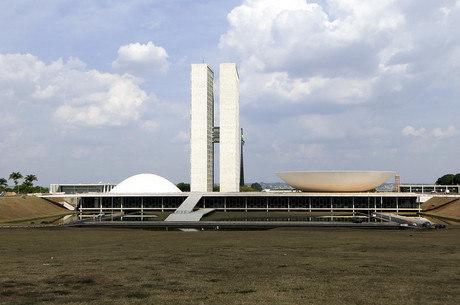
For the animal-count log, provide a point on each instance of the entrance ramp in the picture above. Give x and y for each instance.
(192, 216)
(189, 204)
(185, 211)
(402, 220)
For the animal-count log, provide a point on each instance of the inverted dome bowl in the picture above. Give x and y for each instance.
(335, 181)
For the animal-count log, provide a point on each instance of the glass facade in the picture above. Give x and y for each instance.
(268, 202)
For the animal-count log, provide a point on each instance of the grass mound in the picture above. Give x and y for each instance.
(443, 207)
(14, 209)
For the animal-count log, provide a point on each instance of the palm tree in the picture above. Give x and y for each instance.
(29, 180)
(3, 182)
(15, 176)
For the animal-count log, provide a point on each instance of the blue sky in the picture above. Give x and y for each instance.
(99, 90)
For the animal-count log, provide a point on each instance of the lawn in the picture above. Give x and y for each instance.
(283, 266)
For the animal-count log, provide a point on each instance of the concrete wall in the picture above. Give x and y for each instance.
(230, 137)
(202, 121)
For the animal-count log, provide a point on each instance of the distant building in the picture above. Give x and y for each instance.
(428, 188)
(81, 188)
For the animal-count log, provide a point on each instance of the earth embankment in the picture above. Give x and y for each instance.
(13, 209)
(442, 207)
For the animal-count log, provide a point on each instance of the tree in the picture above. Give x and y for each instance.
(247, 188)
(29, 179)
(449, 179)
(184, 187)
(3, 183)
(457, 179)
(256, 186)
(15, 176)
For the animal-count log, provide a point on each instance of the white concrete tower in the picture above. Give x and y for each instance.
(202, 121)
(230, 137)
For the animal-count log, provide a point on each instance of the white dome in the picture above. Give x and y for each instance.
(145, 183)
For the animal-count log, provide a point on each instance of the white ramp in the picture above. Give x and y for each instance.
(185, 211)
(189, 204)
(193, 216)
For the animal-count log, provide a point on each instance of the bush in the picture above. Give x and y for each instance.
(184, 187)
(246, 188)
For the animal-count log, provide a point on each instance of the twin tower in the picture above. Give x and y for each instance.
(204, 134)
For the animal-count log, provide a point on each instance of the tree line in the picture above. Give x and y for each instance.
(27, 186)
(449, 179)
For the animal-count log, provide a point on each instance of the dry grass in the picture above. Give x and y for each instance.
(451, 210)
(443, 207)
(16, 209)
(315, 266)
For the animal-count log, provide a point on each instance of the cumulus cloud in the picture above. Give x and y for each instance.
(411, 131)
(345, 75)
(117, 103)
(36, 152)
(150, 126)
(181, 137)
(449, 132)
(141, 59)
(9, 139)
(75, 96)
(342, 52)
(436, 132)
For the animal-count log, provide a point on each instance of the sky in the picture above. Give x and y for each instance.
(96, 91)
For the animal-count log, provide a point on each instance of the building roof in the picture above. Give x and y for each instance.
(145, 184)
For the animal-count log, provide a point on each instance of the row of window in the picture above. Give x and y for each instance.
(240, 202)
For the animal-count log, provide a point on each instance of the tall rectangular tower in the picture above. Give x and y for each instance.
(230, 137)
(202, 122)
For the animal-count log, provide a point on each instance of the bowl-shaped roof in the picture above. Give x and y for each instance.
(335, 181)
(145, 184)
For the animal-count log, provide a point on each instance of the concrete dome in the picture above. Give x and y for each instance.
(145, 183)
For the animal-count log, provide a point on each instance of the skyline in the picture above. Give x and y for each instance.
(101, 91)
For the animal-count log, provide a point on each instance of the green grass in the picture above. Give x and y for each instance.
(284, 266)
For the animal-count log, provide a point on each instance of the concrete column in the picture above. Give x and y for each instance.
(201, 124)
(230, 138)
